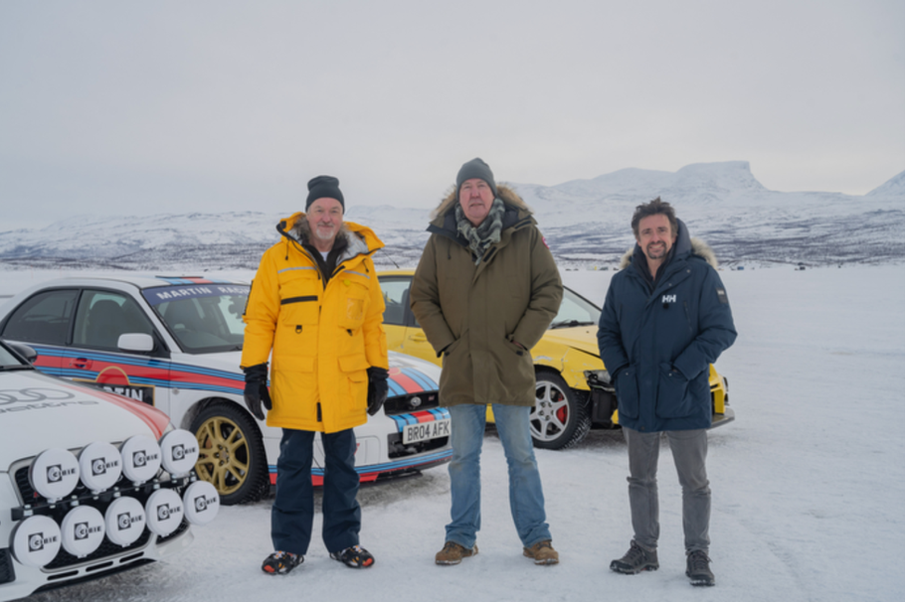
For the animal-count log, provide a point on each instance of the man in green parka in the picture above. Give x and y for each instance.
(485, 291)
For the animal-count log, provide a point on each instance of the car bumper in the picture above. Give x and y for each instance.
(724, 418)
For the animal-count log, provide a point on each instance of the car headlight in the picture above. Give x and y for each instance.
(179, 452)
(124, 521)
(83, 530)
(100, 464)
(36, 541)
(141, 458)
(164, 512)
(599, 378)
(54, 473)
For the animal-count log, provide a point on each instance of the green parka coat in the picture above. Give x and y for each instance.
(475, 314)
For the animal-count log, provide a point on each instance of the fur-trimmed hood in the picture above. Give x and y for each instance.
(356, 239)
(693, 246)
(504, 193)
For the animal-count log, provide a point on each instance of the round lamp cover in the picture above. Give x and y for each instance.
(36, 541)
(100, 465)
(83, 530)
(179, 452)
(202, 502)
(164, 512)
(141, 458)
(54, 473)
(124, 520)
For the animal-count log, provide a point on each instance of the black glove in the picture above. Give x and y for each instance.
(256, 392)
(377, 389)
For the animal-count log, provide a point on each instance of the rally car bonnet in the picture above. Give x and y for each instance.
(35, 409)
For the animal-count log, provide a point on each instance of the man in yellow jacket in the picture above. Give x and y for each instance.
(315, 303)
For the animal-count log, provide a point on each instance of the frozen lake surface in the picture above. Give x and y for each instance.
(808, 482)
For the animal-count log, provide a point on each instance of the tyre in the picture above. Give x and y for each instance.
(232, 456)
(559, 418)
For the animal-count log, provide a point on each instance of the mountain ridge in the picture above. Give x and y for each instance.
(585, 222)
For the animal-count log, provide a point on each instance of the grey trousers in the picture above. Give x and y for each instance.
(689, 451)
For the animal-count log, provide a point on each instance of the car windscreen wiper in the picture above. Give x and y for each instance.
(16, 367)
(570, 323)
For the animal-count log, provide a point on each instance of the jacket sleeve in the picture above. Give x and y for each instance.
(609, 333)
(374, 334)
(261, 313)
(424, 299)
(546, 294)
(716, 330)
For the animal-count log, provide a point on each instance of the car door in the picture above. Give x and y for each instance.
(94, 355)
(403, 332)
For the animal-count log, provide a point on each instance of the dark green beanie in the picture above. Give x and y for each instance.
(476, 168)
(324, 186)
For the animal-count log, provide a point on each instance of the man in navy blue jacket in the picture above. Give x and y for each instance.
(666, 318)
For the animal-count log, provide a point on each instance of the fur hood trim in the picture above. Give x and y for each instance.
(698, 247)
(504, 192)
(358, 239)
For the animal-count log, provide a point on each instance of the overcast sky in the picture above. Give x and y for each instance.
(181, 106)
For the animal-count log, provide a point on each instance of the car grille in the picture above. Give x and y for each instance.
(404, 404)
(7, 574)
(64, 559)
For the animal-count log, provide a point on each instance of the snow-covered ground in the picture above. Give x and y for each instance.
(808, 483)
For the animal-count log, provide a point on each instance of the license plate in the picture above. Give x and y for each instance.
(423, 431)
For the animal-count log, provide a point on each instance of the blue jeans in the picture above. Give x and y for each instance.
(526, 496)
(689, 451)
(292, 514)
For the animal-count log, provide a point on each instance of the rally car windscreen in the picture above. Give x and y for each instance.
(575, 310)
(204, 318)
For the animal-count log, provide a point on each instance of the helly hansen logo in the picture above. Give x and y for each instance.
(721, 295)
(668, 299)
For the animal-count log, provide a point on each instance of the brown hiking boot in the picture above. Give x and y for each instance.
(542, 552)
(453, 553)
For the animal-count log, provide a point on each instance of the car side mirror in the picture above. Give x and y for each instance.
(25, 351)
(136, 342)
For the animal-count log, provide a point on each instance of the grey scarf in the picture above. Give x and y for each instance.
(486, 233)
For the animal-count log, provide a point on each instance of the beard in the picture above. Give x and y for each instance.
(656, 250)
(325, 232)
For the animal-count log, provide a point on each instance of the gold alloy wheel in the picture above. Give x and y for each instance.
(223, 459)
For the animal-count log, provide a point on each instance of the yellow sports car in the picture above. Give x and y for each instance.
(573, 387)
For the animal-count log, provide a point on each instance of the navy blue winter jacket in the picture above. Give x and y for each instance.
(660, 344)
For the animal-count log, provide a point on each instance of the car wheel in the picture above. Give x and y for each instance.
(231, 453)
(559, 419)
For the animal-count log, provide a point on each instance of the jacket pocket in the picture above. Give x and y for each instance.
(627, 397)
(299, 289)
(293, 386)
(354, 300)
(355, 369)
(673, 399)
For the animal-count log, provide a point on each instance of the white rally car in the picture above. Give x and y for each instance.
(175, 343)
(91, 483)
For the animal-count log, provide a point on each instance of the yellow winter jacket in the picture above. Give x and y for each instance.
(323, 336)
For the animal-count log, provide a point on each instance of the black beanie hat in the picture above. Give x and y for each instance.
(476, 168)
(324, 186)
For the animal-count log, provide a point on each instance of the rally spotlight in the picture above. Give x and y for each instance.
(202, 502)
(179, 452)
(83, 530)
(124, 521)
(164, 512)
(36, 541)
(141, 458)
(54, 473)
(100, 465)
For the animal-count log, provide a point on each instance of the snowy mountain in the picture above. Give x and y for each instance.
(585, 222)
